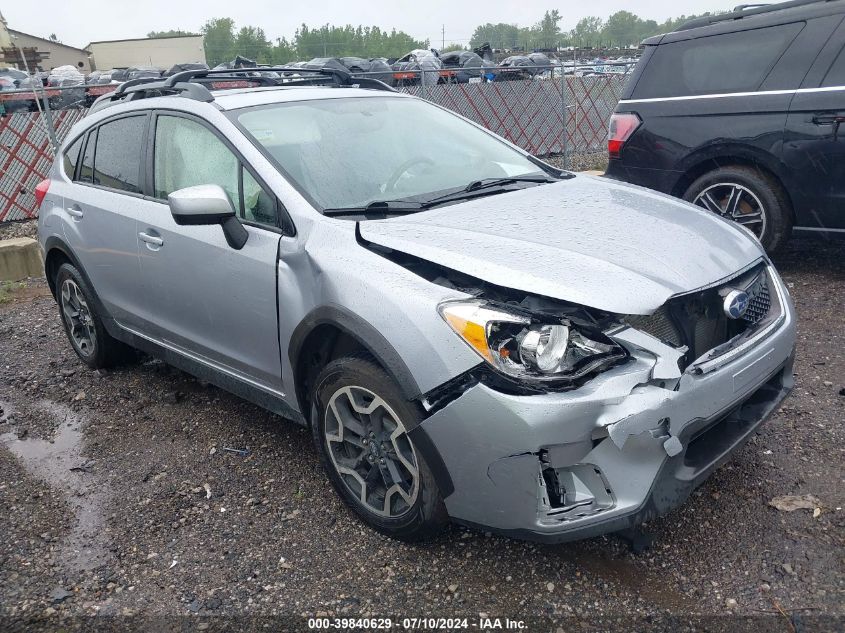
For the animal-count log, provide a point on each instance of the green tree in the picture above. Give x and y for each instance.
(500, 36)
(587, 32)
(546, 34)
(170, 33)
(454, 46)
(219, 40)
(284, 52)
(351, 41)
(622, 29)
(252, 43)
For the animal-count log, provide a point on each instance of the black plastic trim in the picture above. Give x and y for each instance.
(367, 335)
(423, 443)
(54, 243)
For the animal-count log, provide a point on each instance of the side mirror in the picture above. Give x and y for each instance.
(208, 204)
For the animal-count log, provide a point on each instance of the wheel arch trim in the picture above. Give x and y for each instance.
(735, 155)
(54, 243)
(361, 331)
(726, 154)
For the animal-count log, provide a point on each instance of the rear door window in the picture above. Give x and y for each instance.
(117, 164)
(836, 75)
(733, 62)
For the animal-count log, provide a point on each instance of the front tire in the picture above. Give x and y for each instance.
(360, 427)
(749, 197)
(83, 326)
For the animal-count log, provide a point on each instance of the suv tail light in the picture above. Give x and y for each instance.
(622, 125)
(41, 191)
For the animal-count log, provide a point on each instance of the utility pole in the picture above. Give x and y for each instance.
(443, 34)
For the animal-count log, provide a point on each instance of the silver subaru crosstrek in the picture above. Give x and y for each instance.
(470, 334)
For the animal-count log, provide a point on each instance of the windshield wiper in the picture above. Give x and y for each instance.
(392, 207)
(498, 182)
(478, 187)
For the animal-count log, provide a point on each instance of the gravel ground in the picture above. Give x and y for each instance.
(121, 496)
(26, 228)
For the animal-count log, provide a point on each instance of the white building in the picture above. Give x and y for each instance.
(156, 52)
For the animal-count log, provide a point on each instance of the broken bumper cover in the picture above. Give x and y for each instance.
(619, 451)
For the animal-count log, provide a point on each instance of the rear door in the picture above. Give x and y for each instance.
(201, 296)
(814, 147)
(102, 206)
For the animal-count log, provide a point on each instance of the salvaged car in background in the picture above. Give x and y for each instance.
(518, 67)
(469, 333)
(420, 66)
(743, 114)
(374, 68)
(466, 65)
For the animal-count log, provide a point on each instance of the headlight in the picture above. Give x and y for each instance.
(529, 347)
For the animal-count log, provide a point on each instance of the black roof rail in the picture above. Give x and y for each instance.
(193, 83)
(326, 74)
(746, 10)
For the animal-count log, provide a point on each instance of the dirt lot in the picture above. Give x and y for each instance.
(121, 495)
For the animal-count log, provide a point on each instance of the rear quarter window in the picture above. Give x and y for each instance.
(836, 75)
(86, 170)
(732, 62)
(71, 158)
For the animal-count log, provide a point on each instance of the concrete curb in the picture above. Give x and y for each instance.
(19, 259)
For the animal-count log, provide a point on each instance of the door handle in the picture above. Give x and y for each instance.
(829, 119)
(75, 212)
(152, 240)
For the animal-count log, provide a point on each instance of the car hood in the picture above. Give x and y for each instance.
(586, 240)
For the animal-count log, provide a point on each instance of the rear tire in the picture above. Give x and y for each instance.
(748, 196)
(368, 457)
(84, 327)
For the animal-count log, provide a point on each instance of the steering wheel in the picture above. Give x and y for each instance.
(403, 169)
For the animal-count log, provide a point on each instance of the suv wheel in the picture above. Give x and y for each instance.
(748, 197)
(360, 428)
(83, 326)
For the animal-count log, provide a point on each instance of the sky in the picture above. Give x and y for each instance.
(78, 22)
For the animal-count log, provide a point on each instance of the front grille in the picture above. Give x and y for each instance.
(760, 304)
(698, 319)
(659, 325)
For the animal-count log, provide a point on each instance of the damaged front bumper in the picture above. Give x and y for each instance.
(626, 447)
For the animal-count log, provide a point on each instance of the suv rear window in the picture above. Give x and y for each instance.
(732, 62)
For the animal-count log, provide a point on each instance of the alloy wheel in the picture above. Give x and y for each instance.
(370, 449)
(735, 202)
(77, 315)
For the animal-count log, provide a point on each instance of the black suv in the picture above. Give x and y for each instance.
(742, 114)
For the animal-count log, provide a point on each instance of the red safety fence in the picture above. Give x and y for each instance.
(25, 158)
(546, 116)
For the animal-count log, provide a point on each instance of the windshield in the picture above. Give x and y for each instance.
(347, 153)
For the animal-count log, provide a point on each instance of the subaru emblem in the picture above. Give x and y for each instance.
(735, 304)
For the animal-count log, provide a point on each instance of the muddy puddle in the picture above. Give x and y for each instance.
(62, 464)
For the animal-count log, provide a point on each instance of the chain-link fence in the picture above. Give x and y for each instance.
(545, 112)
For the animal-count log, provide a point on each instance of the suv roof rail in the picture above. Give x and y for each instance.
(193, 83)
(746, 10)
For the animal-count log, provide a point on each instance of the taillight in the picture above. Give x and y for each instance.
(41, 191)
(622, 125)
